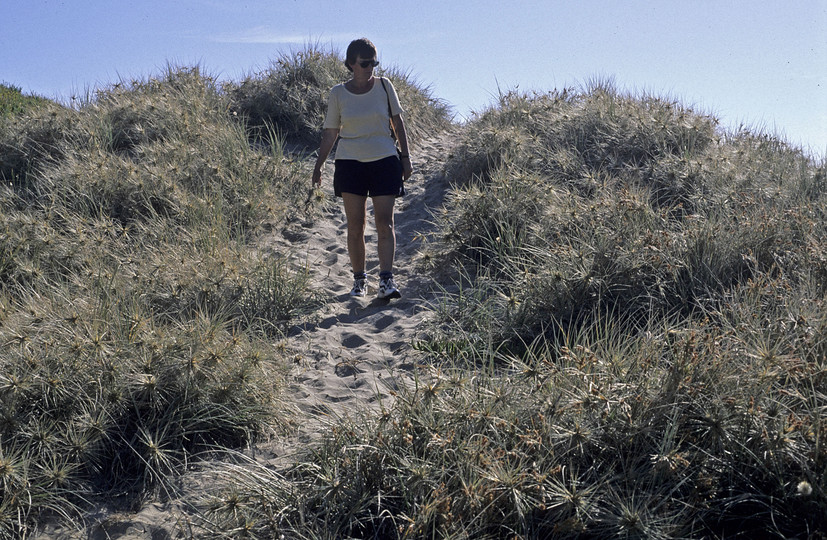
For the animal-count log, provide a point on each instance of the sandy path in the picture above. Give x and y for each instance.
(356, 348)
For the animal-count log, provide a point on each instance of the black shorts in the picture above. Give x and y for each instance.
(369, 178)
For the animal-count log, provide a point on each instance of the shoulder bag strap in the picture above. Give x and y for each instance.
(390, 114)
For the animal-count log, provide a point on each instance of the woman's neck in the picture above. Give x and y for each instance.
(361, 85)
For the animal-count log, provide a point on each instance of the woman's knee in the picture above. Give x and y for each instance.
(383, 212)
(384, 220)
(356, 230)
(356, 221)
(384, 225)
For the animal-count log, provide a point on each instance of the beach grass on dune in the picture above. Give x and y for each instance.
(629, 342)
(628, 338)
(139, 322)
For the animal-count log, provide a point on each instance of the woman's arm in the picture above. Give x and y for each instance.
(329, 136)
(402, 137)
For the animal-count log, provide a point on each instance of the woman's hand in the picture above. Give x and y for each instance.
(329, 137)
(402, 138)
(407, 168)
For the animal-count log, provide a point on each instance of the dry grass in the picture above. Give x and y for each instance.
(140, 323)
(663, 283)
(634, 346)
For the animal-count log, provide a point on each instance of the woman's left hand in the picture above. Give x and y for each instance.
(407, 168)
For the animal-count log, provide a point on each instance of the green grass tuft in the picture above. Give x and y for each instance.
(13, 102)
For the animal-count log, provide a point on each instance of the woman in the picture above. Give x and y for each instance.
(367, 163)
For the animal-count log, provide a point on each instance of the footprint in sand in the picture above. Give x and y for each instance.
(332, 259)
(353, 341)
(384, 322)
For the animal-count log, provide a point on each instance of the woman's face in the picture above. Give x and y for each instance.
(364, 66)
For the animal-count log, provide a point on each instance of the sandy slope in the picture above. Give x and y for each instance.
(348, 354)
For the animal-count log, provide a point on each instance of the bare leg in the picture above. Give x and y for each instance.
(355, 208)
(386, 236)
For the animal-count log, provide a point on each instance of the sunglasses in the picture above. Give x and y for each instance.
(368, 63)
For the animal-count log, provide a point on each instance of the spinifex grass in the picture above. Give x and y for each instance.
(668, 219)
(634, 346)
(670, 432)
(600, 210)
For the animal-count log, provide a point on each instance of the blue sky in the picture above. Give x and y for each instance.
(761, 63)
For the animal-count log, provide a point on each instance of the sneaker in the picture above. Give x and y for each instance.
(387, 289)
(360, 287)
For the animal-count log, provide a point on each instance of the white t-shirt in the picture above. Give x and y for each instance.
(362, 121)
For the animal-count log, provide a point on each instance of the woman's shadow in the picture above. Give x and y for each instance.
(357, 311)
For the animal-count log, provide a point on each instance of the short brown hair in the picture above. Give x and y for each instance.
(359, 47)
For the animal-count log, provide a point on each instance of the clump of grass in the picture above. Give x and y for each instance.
(670, 217)
(601, 211)
(291, 94)
(573, 136)
(672, 432)
(32, 138)
(13, 102)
